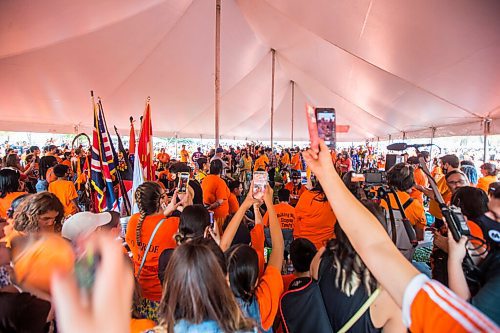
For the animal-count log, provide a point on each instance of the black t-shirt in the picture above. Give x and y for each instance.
(22, 312)
(198, 192)
(491, 230)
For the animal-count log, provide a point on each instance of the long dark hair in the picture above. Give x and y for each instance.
(9, 181)
(196, 290)
(243, 268)
(193, 222)
(351, 271)
(148, 197)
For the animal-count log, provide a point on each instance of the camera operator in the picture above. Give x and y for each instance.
(486, 298)
(355, 187)
(401, 178)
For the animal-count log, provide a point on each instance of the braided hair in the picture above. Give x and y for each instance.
(148, 197)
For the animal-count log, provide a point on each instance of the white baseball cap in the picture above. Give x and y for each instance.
(84, 223)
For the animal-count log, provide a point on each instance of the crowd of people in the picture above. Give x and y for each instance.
(322, 250)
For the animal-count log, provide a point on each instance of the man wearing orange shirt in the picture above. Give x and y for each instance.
(215, 192)
(184, 154)
(295, 188)
(296, 162)
(236, 189)
(421, 180)
(448, 163)
(64, 190)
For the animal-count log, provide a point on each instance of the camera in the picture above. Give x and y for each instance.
(456, 222)
(375, 177)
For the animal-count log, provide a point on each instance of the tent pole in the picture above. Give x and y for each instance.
(217, 70)
(433, 133)
(272, 94)
(487, 123)
(293, 101)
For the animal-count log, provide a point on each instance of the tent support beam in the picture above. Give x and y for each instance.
(486, 127)
(217, 70)
(273, 52)
(293, 102)
(433, 134)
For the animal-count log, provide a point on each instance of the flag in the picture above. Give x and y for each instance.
(102, 166)
(124, 165)
(131, 143)
(145, 146)
(136, 182)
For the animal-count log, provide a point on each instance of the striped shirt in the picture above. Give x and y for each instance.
(428, 306)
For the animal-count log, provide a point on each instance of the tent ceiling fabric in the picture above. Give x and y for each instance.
(387, 67)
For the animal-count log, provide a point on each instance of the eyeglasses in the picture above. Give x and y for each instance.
(458, 182)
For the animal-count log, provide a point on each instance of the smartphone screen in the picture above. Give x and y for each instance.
(312, 126)
(303, 178)
(211, 219)
(325, 120)
(259, 184)
(183, 182)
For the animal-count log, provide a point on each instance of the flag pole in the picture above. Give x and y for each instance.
(293, 102)
(123, 189)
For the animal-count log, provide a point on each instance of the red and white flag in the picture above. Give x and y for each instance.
(145, 146)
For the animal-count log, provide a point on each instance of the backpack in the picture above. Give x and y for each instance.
(400, 228)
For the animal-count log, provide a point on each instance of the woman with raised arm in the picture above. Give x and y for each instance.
(427, 306)
(258, 297)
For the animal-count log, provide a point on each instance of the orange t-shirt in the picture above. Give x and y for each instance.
(431, 307)
(258, 237)
(261, 163)
(285, 160)
(268, 292)
(6, 201)
(420, 179)
(214, 188)
(141, 325)
(314, 219)
(65, 191)
(414, 212)
(234, 205)
(296, 164)
(295, 192)
(285, 214)
(184, 156)
(445, 192)
(164, 239)
(35, 264)
(484, 182)
(163, 157)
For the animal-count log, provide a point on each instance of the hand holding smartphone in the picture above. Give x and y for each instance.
(322, 125)
(183, 182)
(259, 184)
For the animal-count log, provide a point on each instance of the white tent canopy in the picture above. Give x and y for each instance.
(388, 67)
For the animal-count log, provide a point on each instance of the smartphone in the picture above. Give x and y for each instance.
(211, 219)
(183, 182)
(303, 178)
(85, 268)
(312, 126)
(325, 120)
(259, 184)
(357, 177)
